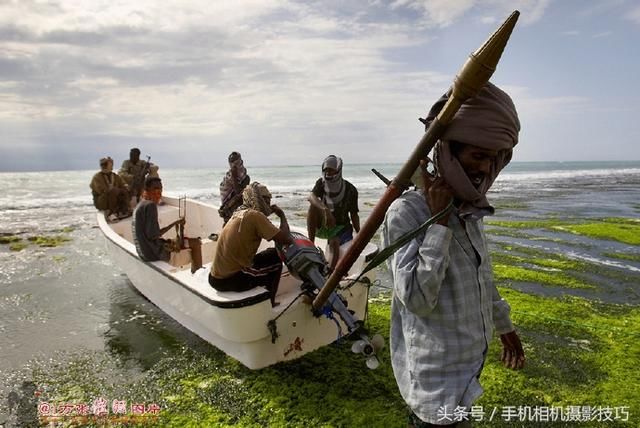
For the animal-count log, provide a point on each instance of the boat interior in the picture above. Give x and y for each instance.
(203, 221)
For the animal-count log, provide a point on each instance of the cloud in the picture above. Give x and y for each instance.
(283, 81)
(293, 73)
(438, 12)
(536, 108)
(601, 8)
(602, 34)
(634, 15)
(488, 20)
(443, 13)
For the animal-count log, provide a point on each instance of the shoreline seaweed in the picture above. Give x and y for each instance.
(16, 243)
(625, 230)
(578, 354)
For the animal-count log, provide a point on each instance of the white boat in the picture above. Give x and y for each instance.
(244, 325)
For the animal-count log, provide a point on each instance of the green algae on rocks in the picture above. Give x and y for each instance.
(626, 230)
(510, 205)
(9, 239)
(49, 241)
(524, 264)
(523, 274)
(619, 229)
(624, 256)
(579, 353)
(17, 246)
(582, 273)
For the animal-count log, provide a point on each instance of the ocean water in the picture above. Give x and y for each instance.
(73, 297)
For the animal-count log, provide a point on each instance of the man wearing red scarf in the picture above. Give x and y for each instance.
(147, 234)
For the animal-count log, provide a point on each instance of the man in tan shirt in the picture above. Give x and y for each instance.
(237, 265)
(109, 191)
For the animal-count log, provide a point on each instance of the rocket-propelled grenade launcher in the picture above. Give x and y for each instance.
(473, 75)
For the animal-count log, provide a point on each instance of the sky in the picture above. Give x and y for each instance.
(289, 82)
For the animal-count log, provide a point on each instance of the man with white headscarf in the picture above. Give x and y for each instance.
(237, 265)
(333, 213)
(445, 305)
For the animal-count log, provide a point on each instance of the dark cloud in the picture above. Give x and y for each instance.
(132, 57)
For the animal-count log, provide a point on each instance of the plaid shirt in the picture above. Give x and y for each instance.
(444, 309)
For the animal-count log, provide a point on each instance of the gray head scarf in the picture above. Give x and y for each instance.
(334, 187)
(489, 121)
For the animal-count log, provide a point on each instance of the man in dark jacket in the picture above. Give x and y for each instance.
(333, 213)
(147, 234)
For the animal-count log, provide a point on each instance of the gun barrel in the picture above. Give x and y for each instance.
(384, 179)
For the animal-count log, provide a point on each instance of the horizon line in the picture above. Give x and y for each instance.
(316, 165)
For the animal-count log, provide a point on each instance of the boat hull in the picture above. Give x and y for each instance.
(241, 332)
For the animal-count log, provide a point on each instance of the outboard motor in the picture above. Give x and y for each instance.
(304, 260)
(307, 263)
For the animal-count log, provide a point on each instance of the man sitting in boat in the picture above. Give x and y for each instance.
(237, 265)
(333, 200)
(109, 191)
(232, 185)
(134, 171)
(147, 234)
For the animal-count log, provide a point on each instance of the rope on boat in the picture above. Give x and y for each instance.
(327, 311)
(271, 325)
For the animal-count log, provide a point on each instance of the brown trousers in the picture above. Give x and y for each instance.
(115, 200)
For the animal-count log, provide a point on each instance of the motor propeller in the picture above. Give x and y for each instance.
(369, 348)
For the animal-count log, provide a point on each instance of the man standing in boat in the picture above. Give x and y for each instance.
(109, 191)
(237, 265)
(147, 234)
(333, 210)
(232, 185)
(134, 171)
(445, 305)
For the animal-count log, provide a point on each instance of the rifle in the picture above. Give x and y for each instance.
(137, 183)
(384, 179)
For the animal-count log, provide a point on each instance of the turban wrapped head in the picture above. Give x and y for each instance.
(254, 197)
(106, 164)
(489, 121)
(334, 187)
